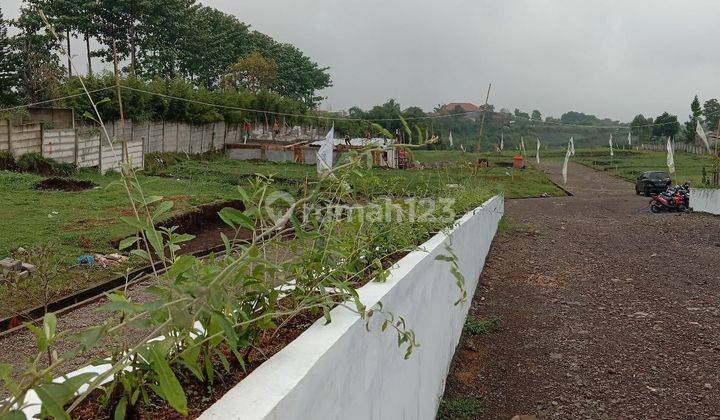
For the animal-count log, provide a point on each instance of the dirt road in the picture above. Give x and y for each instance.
(608, 311)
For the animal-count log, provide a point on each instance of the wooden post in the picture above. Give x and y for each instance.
(482, 122)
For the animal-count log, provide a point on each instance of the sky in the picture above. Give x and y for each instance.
(610, 58)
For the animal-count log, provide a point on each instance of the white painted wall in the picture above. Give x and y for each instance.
(705, 200)
(340, 370)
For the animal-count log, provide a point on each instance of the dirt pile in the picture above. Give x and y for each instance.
(63, 184)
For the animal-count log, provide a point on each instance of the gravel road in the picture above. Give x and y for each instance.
(608, 311)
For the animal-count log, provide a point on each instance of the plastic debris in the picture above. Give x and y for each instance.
(85, 260)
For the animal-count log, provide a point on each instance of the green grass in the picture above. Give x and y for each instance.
(476, 326)
(461, 407)
(629, 164)
(74, 223)
(32, 216)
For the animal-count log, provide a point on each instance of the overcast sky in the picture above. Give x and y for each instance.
(610, 58)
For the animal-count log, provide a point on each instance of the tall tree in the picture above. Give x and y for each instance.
(116, 26)
(696, 112)
(666, 125)
(253, 73)
(163, 38)
(39, 73)
(711, 110)
(521, 114)
(298, 77)
(640, 127)
(536, 115)
(8, 75)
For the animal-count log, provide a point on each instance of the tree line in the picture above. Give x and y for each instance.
(667, 125)
(151, 40)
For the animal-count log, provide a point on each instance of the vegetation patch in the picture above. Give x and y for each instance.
(462, 407)
(476, 326)
(7, 162)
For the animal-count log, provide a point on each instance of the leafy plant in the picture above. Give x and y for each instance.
(475, 326)
(7, 161)
(462, 407)
(36, 163)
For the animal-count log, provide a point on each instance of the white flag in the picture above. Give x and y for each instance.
(462, 146)
(450, 139)
(502, 141)
(611, 146)
(325, 154)
(565, 165)
(572, 146)
(522, 146)
(630, 138)
(701, 133)
(670, 157)
(537, 151)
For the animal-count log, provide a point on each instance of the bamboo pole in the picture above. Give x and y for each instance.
(482, 122)
(123, 142)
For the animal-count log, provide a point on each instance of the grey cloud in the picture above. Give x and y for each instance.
(610, 58)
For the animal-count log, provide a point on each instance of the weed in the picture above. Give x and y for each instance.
(461, 407)
(470, 344)
(475, 326)
(36, 163)
(7, 161)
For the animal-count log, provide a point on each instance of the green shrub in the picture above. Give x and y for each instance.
(461, 407)
(36, 163)
(7, 162)
(475, 326)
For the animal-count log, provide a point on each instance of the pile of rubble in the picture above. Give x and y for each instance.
(10, 266)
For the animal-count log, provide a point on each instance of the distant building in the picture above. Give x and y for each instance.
(469, 110)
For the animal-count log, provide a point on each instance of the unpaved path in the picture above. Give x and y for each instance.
(608, 311)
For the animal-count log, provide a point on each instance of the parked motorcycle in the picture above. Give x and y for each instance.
(676, 198)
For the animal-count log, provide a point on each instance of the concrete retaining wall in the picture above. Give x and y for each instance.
(284, 155)
(340, 370)
(244, 154)
(24, 138)
(705, 200)
(59, 145)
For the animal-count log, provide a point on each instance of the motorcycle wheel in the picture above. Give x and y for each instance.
(654, 208)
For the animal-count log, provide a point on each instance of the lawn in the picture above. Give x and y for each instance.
(74, 223)
(630, 164)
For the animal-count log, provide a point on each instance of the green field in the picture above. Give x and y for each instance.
(630, 164)
(70, 224)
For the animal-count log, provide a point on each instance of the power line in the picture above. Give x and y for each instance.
(284, 114)
(331, 118)
(427, 117)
